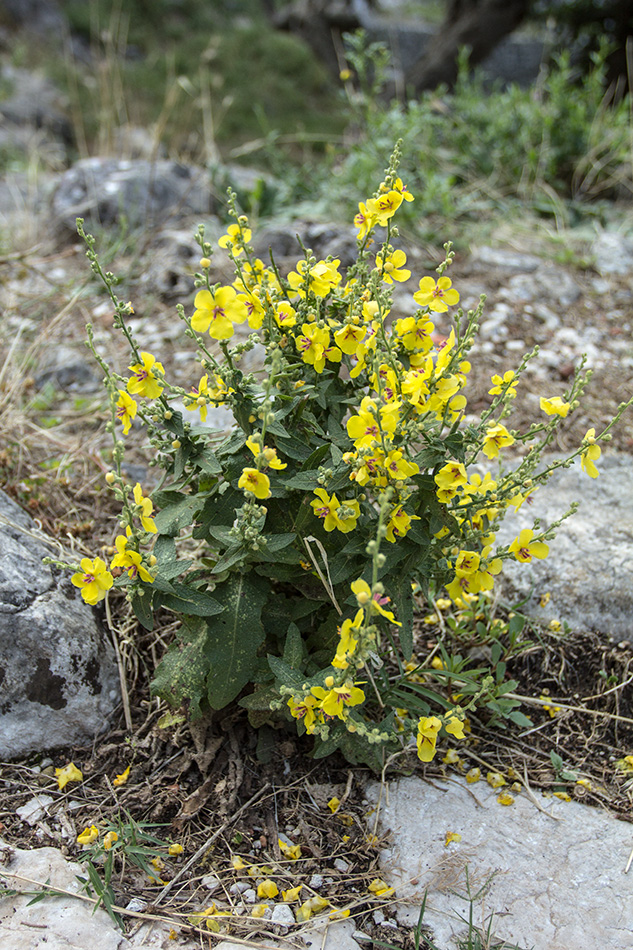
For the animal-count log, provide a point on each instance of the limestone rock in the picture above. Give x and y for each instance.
(58, 675)
(63, 922)
(590, 564)
(555, 877)
(104, 191)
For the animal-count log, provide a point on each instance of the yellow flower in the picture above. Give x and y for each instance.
(455, 727)
(144, 381)
(590, 454)
(334, 701)
(451, 477)
(256, 482)
(333, 513)
(391, 266)
(506, 385)
(384, 207)
(496, 437)
(364, 220)
(197, 397)
(126, 409)
(235, 239)
(320, 279)
(554, 406)
(428, 728)
(130, 560)
(436, 296)
(375, 602)
(69, 773)
(88, 835)
(94, 580)
(122, 778)
(145, 509)
(217, 312)
(285, 315)
(524, 549)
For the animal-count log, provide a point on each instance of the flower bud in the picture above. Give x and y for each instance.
(329, 681)
(176, 444)
(168, 415)
(110, 478)
(205, 263)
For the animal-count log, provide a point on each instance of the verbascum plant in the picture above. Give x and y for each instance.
(292, 548)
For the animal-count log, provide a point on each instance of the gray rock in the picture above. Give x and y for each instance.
(510, 261)
(555, 877)
(613, 253)
(39, 16)
(58, 675)
(36, 103)
(547, 282)
(67, 369)
(106, 191)
(590, 565)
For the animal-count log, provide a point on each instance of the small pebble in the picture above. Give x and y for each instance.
(316, 881)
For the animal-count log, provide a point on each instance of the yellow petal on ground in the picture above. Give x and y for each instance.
(175, 849)
(110, 839)
(505, 798)
(290, 851)
(259, 910)
(88, 835)
(334, 804)
(292, 894)
(379, 888)
(452, 836)
(473, 775)
(69, 773)
(122, 778)
(495, 779)
(267, 888)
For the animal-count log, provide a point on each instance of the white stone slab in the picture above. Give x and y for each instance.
(555, 883)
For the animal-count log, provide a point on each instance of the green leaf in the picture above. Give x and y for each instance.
(190, 601)
(182, 673)
(142, 607)
(400, 592)
(179, 515)
(235, 636)
(207, 462)
(293, 648)
(287, 675)
(236, 554)
(260, 699)
(305, 481)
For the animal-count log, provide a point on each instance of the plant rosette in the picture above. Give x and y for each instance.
(291, 550)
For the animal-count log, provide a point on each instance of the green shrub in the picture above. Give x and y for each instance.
(295, 549)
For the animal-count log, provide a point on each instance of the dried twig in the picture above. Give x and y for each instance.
(207, 844)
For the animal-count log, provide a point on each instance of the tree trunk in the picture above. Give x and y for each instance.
(320, 23)
(478, 24)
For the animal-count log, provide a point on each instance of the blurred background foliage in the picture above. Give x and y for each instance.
(221, 84)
